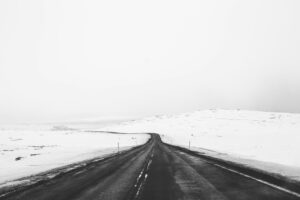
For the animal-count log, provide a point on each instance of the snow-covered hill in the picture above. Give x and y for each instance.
(261, 139)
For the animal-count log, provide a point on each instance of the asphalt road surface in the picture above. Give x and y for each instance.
(155, 171)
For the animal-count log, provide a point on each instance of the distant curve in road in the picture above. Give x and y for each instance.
(153, 171)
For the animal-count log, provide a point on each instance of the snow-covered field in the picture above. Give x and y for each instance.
(268, 141)
(30, 149)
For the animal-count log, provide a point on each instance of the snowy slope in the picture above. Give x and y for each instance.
(270, 141)
(30, 149)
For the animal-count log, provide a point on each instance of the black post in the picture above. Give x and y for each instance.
(118, 147)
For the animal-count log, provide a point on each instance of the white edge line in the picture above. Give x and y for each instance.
(259, 180)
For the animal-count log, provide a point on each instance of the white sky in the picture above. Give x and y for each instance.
(69, 59)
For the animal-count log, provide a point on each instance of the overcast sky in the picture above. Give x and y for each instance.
(72, 59)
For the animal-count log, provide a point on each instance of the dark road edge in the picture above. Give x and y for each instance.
(49, 175)
(276, 181)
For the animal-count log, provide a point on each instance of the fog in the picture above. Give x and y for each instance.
(85, 59)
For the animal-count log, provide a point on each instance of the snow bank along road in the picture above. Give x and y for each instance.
(155, 171)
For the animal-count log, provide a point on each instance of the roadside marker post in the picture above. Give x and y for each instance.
(118, 147)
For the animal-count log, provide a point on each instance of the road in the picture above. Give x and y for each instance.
(154, 171)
